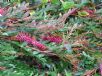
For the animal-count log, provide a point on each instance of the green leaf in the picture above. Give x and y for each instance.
(9, 33)
(67, 5)
(44, 1)
(83, 13)
(54, 1)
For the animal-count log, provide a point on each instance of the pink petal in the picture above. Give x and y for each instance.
(1, 11)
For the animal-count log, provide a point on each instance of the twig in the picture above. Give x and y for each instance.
(47, 52)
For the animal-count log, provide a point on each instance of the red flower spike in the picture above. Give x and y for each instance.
(39, 45)
(22, 36)
(52, 38)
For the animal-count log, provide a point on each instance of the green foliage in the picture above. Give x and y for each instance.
(16, 68)
(67, 5)
(79, 51)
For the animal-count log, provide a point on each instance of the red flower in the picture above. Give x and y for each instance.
(52, 38)
(22, 36)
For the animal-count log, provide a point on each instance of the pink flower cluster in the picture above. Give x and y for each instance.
(1, 11)
(25, 37)
(52, 38)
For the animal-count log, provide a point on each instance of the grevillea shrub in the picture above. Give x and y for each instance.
(70, 41)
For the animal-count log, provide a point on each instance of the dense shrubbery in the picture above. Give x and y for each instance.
(50, 38)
